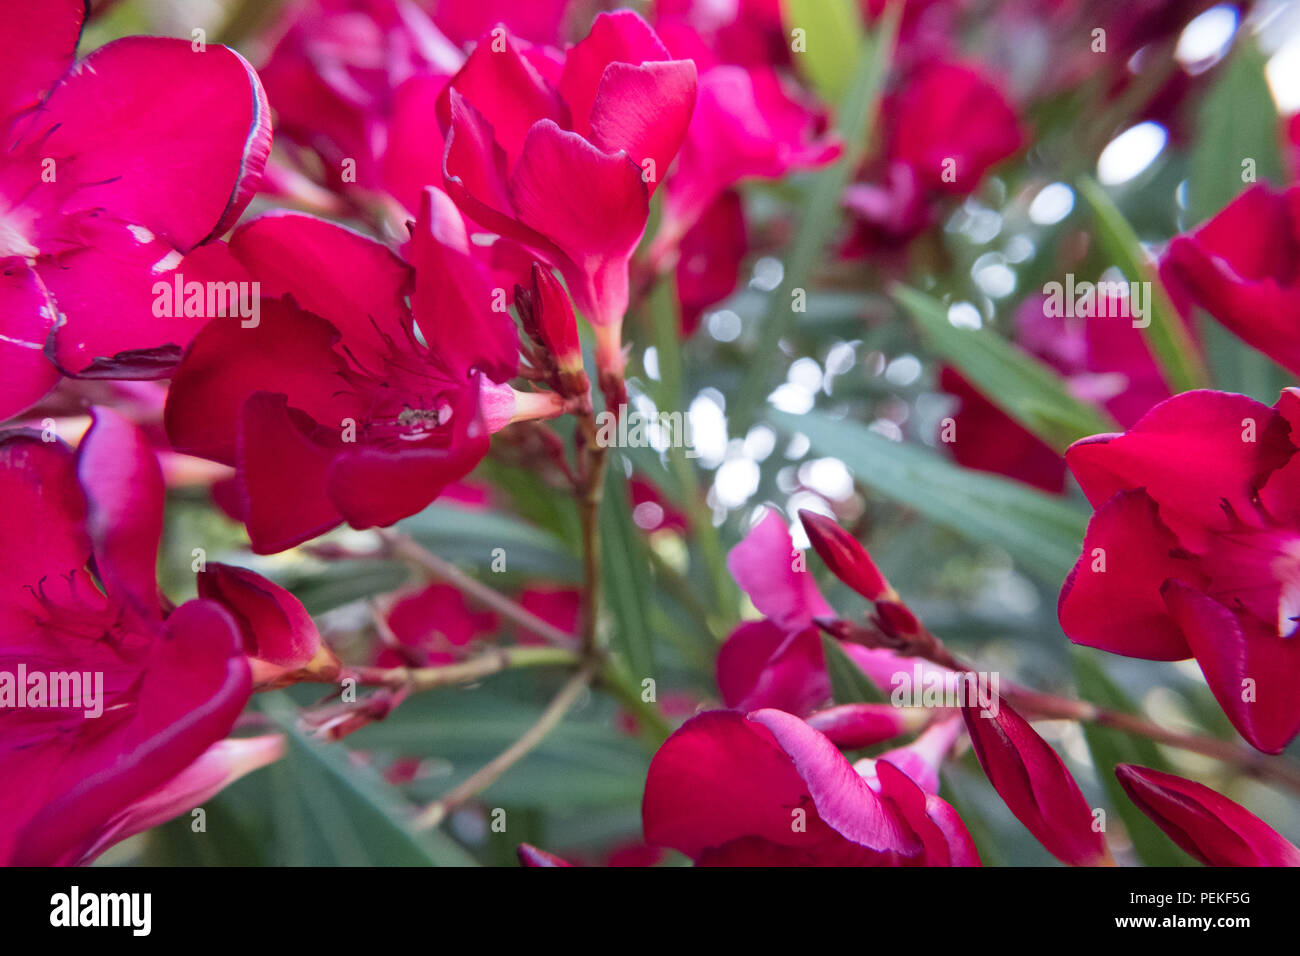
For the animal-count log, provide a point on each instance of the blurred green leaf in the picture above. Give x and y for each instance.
(364, 819)
(472, 536)
(1023, 387)
(848, 684)
(831, 33)
(1166, 334)
(1041, 531)
(625, 567)
(1110, 747)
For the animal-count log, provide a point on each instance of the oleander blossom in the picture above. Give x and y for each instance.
(116, 171)
(562, 155)
(78, 594)
(375, 405)
(1194, 550)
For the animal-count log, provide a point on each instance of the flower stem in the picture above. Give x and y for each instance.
(464, 672)
(489, 773)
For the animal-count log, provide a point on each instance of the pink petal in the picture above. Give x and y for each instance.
(37, 46)
(26, 317)
(161, 135)
(761, 665)
(119, 471)
(1249, 667)
(349, 280)
(591, 205)
(644, 110)
(775, 575)
(1111, 598)
(1190, 454)
(618, 37)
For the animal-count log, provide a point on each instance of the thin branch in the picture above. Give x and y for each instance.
(436, 812)
(464, 672)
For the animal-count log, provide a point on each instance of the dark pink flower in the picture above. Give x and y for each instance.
(565, 164)
(746, 32)
(355, 82)
(116, 171)
(334, 407)
(433, 626)
(1243, 267)
(747, 125)
(951, 124)
(1194, 551)
(1206, 824)
(538, 21)
(846, 558)
(766, 789)
(78, 594)
(560, 607)
(1036, 786)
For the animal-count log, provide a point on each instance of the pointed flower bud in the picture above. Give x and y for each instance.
(1206, 824)
(548, 318)
(847, 559)
(1036, 786)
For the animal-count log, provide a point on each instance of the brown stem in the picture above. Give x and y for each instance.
(464, 672)
(592, 462)
(405, 548)
(489, 773)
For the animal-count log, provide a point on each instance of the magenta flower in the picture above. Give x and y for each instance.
(764, 788)
(333, 408)
(432, 626)
(709, 257)
(1036, 786)
(563, 158)
(117, 171)
(356, 82)
(1206, 824)
(169, 682)
(1192, 551)
(1243, 267)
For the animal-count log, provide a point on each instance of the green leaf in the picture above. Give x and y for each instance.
(1171, 344)
(625, 567)
(365, 819)
(1023, 387)
(472, 536)
(1110, 747)
(1041, 531)
(831, 32)
(848, 684)
(1237, 122)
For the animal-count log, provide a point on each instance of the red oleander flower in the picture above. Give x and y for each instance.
(1206, 824)
(78, 596)
(947, 126)
(1194, 551)
(344, 403)
(765, 788)
(432, 626)
(1243, 267)
(563, 157)
(115, 171)
(709, 257)
(1036, 786)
